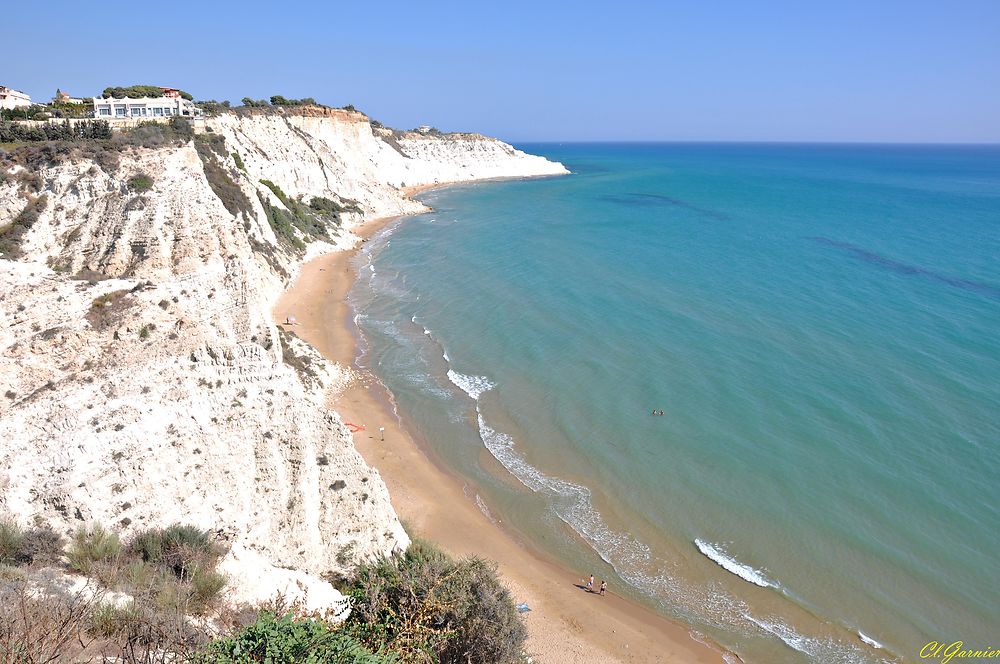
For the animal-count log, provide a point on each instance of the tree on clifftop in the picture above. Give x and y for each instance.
(136, 91)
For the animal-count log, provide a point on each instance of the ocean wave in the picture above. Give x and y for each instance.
(734, 566)
(788, 636)
(572, 504)
(828, 650)
(869, 640)
(481, 504)
(474, 386)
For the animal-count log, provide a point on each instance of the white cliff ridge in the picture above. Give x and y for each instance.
(143, 380)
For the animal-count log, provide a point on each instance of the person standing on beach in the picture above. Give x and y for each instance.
(590, 584)
(604, 587)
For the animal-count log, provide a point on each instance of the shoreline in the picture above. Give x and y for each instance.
(566, 624)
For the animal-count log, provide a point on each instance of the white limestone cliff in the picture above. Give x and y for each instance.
(143, 380)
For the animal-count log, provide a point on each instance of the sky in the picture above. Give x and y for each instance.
(873, 71)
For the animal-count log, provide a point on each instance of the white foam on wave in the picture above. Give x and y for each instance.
(633, 560)
(474, 386)
(869, 640)
(826, 650)
(745, 572)
(788, 636)
(481, 504)
(572, 504)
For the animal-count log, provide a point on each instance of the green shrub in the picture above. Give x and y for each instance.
(41, 546)
(288, 640)
(144, 632)
(11, 573)
(34, 546)
(173, 570)
(93, 545)
(109, 309)
(211, 107)
(12, 236)
(206, 587)
(12, 132)
(233, 199)
(111, 621)
(11, 540)
(136, 91)
(311, 221)
(140, 183)
(331, 207)
(239, 162)
(278, 100)
(140, 576)
(179, 548)
(424, 601)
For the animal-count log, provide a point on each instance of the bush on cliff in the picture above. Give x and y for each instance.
(290, 640)
(212, 150)
(12, 235)
(28, 547)
(429, 606)
(93, 545)
(313, 220)
(16, 132)
(141, 182)
(278, 100)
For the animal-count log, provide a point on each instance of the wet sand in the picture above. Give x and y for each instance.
(566, 623)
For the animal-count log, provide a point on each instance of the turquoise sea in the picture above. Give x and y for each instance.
(821, 327)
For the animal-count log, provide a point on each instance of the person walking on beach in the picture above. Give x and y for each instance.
(604, 587)
(590, 584)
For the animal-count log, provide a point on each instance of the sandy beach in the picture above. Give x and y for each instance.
(565, 624)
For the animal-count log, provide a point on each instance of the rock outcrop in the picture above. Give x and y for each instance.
(143, 380)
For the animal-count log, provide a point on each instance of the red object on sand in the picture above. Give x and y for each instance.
(354, 427)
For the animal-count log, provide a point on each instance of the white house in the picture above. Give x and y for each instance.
(109, 108)
(10, 98)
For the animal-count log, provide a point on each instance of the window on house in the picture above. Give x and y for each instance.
(158, 112)
(120, 111)
(104, 110)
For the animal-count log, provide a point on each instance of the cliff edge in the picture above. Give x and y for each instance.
(144, 381)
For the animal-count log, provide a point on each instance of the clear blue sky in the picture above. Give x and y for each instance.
(878, 70)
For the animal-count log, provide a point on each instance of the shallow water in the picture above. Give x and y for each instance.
(820, 327)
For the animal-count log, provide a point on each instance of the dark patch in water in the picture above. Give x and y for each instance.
(659, 199)
(904, 268)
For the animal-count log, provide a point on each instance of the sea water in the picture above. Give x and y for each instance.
(820, 326)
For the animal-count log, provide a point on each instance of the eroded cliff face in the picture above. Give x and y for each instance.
(339, 153)
(144, 381)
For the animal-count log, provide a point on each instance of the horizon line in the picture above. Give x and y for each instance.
(755, 142)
